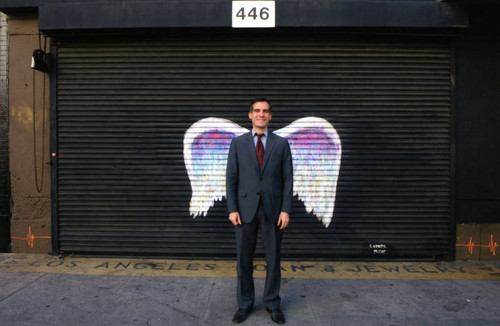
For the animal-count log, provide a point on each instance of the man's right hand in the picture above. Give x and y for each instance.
(234, 217)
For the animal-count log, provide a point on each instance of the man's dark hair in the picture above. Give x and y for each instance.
(260, 99)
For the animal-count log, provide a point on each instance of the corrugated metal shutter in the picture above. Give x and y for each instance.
(123, 109)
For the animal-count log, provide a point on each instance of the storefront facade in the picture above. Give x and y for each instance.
(144, 98)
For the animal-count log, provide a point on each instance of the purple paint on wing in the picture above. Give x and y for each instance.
(211, 147)
(313, 140)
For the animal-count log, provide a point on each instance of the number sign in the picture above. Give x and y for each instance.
(256, 14)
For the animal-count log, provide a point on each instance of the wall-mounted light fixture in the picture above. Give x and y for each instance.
(41, 61)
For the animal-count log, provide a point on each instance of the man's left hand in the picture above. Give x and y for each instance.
(283, 220)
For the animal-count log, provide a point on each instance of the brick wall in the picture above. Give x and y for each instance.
(4, 159)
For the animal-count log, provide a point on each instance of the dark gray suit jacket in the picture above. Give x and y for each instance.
(244, 180)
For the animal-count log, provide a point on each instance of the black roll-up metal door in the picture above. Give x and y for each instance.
(123, 107)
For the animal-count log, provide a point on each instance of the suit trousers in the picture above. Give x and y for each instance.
(246, 239)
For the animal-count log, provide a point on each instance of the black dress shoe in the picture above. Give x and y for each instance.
(241, 315)
(276, 315)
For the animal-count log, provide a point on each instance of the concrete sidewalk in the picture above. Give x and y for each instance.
(31, 298)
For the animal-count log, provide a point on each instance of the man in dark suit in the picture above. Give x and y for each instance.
(259, 191)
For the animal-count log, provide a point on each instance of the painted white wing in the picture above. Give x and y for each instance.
(316, 154)
(206, 146)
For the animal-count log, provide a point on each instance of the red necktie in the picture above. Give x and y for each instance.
(260, 150)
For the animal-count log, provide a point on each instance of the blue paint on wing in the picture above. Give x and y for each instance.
(210, 148)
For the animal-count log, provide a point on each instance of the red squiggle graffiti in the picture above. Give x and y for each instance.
(30, 238)
(470, 246)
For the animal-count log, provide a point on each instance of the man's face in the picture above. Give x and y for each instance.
(260, 116)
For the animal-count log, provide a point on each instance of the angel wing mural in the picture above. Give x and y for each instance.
(316, 154)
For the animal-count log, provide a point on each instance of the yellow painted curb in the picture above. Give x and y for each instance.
(227, 268)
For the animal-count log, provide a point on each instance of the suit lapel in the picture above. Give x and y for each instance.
(269, 148)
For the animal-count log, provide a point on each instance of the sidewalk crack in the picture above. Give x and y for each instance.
(103, 304)
(205, 313)
(405, 295)
(23, 287)
(311, 307)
